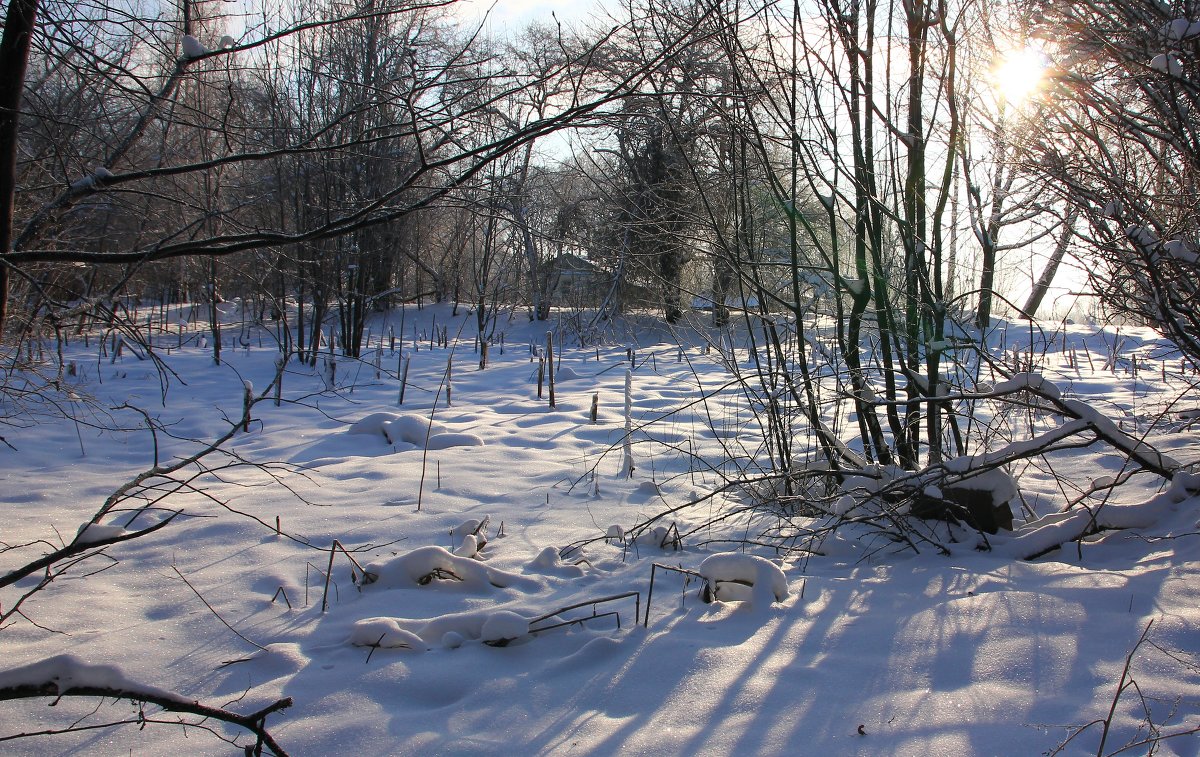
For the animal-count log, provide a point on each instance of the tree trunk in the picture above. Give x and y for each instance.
(1047, 278)
(14, 57)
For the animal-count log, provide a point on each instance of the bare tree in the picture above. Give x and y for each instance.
(1123, 143)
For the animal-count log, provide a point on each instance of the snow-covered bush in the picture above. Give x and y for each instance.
(736, 576)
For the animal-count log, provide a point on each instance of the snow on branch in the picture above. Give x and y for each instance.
(68, 676)
(1138, 450)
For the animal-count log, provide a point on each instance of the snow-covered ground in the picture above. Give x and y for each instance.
(459, 515)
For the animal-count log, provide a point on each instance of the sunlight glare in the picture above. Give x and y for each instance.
(1018, 75)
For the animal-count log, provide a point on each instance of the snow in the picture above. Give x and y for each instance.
(856, 287)
(192, 47)
(91, 533)
(995, 481)
(977, 650)
(448, 440)
(1028, 381)
(437, 566)
(1179, 29)
(469, 546)
(1182, 251)
(731, 573)
(412, 430)
(1140, 235)
(67, 671)
(1167, 63)
(503, 626)
(384, 632)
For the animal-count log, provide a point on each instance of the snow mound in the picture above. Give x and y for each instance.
(502, 627)
(396, 429)
(384, 632)
(474, 526)
(451, 631)
(547, 558)
(649, 488)
(448, 440)
(412, 429)
(565, 374)
(659, 536)
(438, 566)
(734, 576)
(469, 546)
(68, 672)
(372, 424)
(548, 561)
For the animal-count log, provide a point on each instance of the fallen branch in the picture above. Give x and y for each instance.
(67, 676)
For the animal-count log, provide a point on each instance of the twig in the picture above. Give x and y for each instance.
(214, 612)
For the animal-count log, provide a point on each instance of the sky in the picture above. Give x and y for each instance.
(513, 14)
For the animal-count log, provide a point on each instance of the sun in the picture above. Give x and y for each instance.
(1018, 75)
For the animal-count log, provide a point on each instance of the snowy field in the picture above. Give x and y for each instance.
(479, 519)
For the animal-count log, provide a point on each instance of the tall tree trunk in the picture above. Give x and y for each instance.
(14, 58)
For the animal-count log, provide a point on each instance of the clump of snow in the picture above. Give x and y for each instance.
(1179, 29)
(615, 533)
(998, 483)
(94, 180)
(411, 429)
(472, 526)
(502, 627)
(856, 287)
(549, 562)
(192, 47)
(89, 533)
(843, 505)
(547, 558)
(659, 536)
(469, 546)
(384, 632)
(450, 631)
(647, 487)
(66, 672)
(371, 424)
(734, 576)
(1182, 251)
(1184, 485)
(1167, 64)
(1140, 235)
(435, 565)
(1028, 381)
(565, 374)
(448, 440)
